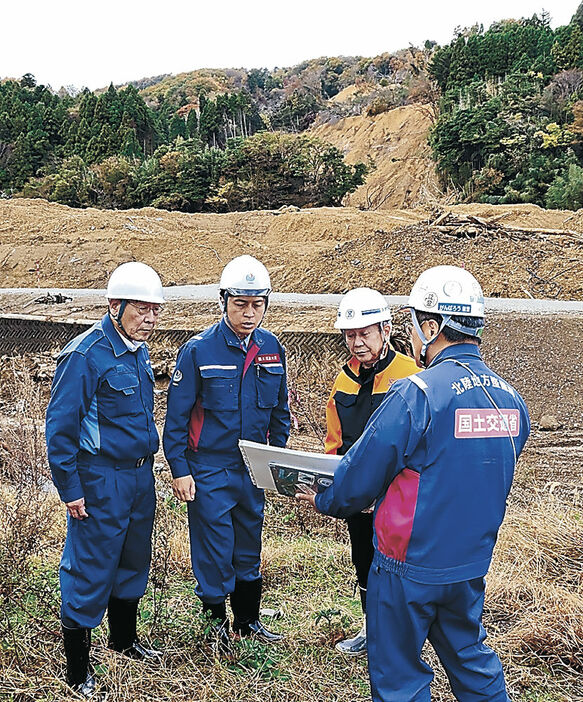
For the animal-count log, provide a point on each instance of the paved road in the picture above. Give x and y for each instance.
(206, 293)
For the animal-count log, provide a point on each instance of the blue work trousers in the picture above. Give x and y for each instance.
(107, 553)
(225, 521)
(402, 614)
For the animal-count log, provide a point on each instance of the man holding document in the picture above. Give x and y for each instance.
(438, 456)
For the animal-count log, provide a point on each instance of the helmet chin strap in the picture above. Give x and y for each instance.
(386, 337)
(117, 318)
(424, 340)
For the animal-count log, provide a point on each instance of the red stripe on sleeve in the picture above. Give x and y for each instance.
(195, 425)
(394, 518)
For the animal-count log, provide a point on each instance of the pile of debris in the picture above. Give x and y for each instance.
(50, 299)
(470, 226)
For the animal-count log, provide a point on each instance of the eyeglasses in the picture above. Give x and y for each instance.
(142, 308)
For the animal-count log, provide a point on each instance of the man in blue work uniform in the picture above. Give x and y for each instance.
(229, 384)
(438, 457)
(101, 439)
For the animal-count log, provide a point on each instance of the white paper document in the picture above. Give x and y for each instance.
(287, 471)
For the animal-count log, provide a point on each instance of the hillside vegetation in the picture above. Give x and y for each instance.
(499, 110)
(212, 140)
(511, 112)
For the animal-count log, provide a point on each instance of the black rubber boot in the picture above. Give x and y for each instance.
(218, 632)
(245, 601)
(362, 598)
(77, 646)
(122, 616)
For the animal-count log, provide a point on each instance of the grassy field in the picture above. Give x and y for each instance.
(534, 606)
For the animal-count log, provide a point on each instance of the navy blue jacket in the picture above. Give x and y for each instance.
(220, 393)
(439, 459)
(102, 403)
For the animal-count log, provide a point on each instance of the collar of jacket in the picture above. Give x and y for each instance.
(117, 344)
(456, 351)
(233, 340)
(353, 368)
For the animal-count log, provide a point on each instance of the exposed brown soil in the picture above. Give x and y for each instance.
(395, 144)
(312, 251)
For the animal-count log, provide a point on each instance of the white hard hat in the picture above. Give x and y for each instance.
(362, 307)
(245, 275)
(135, 281)
(447, 290)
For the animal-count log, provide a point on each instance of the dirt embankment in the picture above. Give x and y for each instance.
(395, 143)
(327, 250)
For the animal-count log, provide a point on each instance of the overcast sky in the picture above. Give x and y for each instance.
(80, 43)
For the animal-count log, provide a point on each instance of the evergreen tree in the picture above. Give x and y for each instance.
(177, 128)
(71, 142)
(129, 144)
(72, 184)
(87, 106)
(192, 124)
(578, 17)
(567, 50)
(209, 122)
(566, 190)
(113, 105)
(28, 81)
(100, 115)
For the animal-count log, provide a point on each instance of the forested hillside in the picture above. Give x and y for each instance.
(503, 110)
(511, 112)
(210, 140)
(112, 150)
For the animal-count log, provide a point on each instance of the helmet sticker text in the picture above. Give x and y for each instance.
(454, 308)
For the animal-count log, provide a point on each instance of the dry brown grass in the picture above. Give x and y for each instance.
(535, 592)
